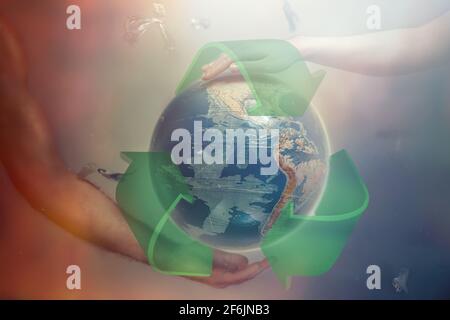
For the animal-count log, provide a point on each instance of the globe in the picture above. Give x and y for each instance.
(235, 203)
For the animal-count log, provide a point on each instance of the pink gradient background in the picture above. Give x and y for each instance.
(101, 97)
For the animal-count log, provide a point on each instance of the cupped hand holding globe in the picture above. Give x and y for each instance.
(231, 268)
(19, 108)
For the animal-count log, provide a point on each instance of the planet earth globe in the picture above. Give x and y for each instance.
(235, 204)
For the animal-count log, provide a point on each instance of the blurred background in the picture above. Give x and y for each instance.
(103, 95)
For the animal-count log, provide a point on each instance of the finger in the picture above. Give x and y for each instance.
(215, 70)
(264, 264)
(251, 271)
(207, 66)
(217, 67)
(234, 68)
(230, 261)
(222, 278)
(210, 281)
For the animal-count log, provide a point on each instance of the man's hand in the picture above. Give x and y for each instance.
(230, 269)
(31, 159)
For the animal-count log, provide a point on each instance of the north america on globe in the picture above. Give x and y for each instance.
(235, 203)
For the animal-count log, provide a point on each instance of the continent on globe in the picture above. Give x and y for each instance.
(234, 203)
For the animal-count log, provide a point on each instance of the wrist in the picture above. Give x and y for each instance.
(303, 45)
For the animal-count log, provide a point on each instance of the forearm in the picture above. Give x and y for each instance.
(382, 53)
(33, 165)
(360, 54)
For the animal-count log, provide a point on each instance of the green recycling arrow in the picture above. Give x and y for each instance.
(148, 193)
(275, 71)
(310, 245)
(152, 186)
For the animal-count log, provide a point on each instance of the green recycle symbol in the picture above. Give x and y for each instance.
(153, 186)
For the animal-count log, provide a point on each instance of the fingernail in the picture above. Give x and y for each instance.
(264, 264)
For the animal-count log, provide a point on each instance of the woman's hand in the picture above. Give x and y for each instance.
(257, 56)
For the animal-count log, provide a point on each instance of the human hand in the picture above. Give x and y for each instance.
(257, 56)
(231, 268)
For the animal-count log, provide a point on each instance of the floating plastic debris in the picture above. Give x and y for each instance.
(291, 16)
(136, 27)
(400, 281)
(91, 168)
(200, 23)
(115, 176)
(160, 9)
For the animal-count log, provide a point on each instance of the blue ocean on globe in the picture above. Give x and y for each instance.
(233, 203)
